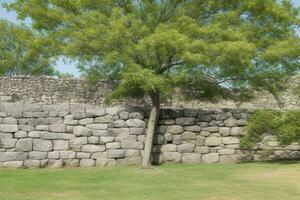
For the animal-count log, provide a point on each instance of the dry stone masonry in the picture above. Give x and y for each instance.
(72, 135)
(52, 90)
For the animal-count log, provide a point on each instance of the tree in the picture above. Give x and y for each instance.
(211, 49)
(22, 52)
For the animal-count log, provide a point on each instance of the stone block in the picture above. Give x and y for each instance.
(82, 131)
(213, 141)
(168, 148)
(191, 158)
(173, 157)
(24, 145)
(188, 135)
(175, 129)
(61, 145)
(97, 126)
(115, 153)
(42, 145)
(9, 128)
(186, 148)
(231, 140)
(37, 155)
(8, 143)
(90, 148)
(135, 123)
(210, 158)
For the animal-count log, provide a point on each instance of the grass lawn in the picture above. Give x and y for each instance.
(250, 181)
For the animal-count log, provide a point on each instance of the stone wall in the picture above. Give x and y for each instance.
(71, 135)
(52, 90)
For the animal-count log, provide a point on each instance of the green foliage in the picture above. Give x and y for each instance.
(23, 52)
(284, 125)
(210, 49)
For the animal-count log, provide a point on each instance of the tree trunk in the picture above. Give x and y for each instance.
(153, 118)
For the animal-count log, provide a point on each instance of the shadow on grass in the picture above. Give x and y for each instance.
(282, 162)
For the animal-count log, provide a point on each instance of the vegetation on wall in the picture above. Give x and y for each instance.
(283, 125)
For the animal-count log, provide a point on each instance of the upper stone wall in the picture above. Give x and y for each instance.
(52, 90)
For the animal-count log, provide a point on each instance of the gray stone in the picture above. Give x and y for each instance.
(115, 153)
(231, 122)
(69, 120)
(8, 128)
(204, 118)
(86, 121)
(42, 145)
(90, 148)
(168, 137)
(83, 155)
(97, 126)
(210, 158)
(116, 132)
(61, 145)
(168, 148)
(241, 122)
(57, 128)
(133, 160)
(8, 143)
(213, 129)
(99, 132)
(176, 139)
(12, 164)
(226, 151)
(24, 144)
(136, 115)
(118, 124)
(175, 129)
(32, 163)
(106, 139)
(135, 123)
(236, 131)
(21, 134)
(191, 158)
(82, 131)
(95, 111)
(104, 119)
(124, 115)
(56, 164)
(231, 140)
(185, 121)
(13, 156)
(202, 149)
(229, 158)
(113, 110)
(173, 157)
(136, 131)
(224, 131)
(188, 135)
(56, 136)
(113, 145)
(200, 140)
(6, 135)
(37, 155)
(67, 154)
(71, 162)
(42, 128)
(53, 155)
(78, 142)
(223, 116)
(87, 163)
(93, 140)
(186, 148)
(194, 128)
(34, 134)
(9, 120)
(132, 152)
(213, 141)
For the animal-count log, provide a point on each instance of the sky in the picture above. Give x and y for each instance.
(61, 66)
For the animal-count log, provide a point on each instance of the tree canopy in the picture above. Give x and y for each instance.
(23, 52)
(210, 49)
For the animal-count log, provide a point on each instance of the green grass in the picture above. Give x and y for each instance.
(251, 181)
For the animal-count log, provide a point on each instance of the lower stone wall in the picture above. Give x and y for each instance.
(72, 135)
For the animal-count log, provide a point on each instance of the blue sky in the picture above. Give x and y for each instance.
(60, 64)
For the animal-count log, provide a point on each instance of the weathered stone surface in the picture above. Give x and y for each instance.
(202, 149)
(136, 123)
(32, 163)
(42, 145)
(56, 136)
(132, 160)
(186, 135)
(56, 164)
(97, 126)
(226, 151)
(231, 140)
(86, 121)
(57, 128)
(82, 155)
(13, 156)
(224, 131)
(67, 154)
(13, 164)
(9, 128)
(90, 148)
(106, 139)
(115, 153)
(53, 155)
(24, 144)
(194, 128)
(168, 148)
(113, 145)
(93, 140)
(78, 142)
(136, 115)
(93, 111)
(210, 158)
(229, 158)
(87, 163)
(213, 129)
(71, 162)
(118, 124)
(231, 122)
(82, 131)
(236, 131)
(213, 141)
(185, 121)
(9, 120)
(21, 134)
(174, 157)
(186, 148)
(34, 134)
(8, 143)
(175, 129)
(136, 131)
(61, 145)
(104, 119)
(191, 158)
(37, 155)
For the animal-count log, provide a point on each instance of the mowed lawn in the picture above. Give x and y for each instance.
(249, 181)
